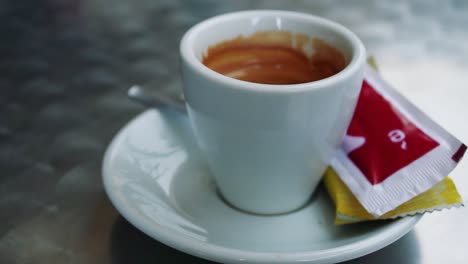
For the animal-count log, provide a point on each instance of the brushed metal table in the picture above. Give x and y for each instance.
(65, 66)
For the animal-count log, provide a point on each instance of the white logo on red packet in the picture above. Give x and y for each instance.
(391, 140)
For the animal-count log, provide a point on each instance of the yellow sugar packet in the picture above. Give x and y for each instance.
(349, 210)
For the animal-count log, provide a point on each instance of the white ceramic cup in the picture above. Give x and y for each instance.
(268, 145)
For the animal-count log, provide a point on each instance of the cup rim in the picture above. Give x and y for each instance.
(188, 55)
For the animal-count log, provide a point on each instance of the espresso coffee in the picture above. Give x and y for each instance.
(275, 57)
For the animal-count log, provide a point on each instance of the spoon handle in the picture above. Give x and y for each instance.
(138, 94)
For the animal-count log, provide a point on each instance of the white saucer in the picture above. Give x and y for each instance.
(157, 180)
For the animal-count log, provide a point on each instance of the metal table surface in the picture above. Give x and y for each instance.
(65, 66)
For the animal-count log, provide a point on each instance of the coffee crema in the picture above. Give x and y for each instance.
(275, 57)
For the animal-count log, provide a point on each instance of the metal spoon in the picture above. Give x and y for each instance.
(138, 94)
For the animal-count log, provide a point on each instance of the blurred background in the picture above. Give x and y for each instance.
(65, 66)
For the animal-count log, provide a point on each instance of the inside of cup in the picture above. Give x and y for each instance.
(227, 27)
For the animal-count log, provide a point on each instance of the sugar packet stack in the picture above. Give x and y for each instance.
(394, 160)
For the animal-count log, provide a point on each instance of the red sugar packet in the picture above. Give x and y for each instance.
(392, 151)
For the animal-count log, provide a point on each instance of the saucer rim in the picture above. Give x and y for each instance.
(392, 232)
